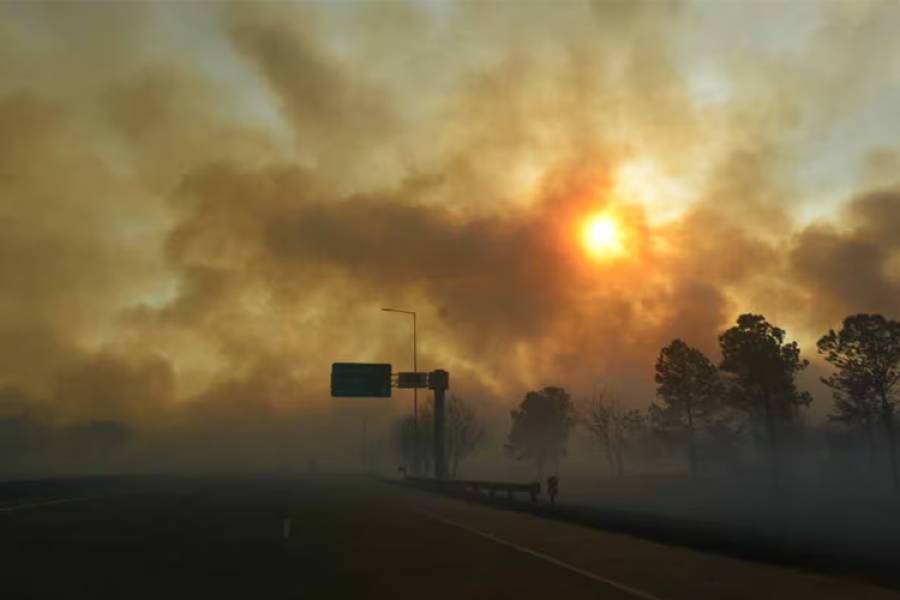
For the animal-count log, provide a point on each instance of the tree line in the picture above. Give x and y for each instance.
(705, 408)
(752, 391)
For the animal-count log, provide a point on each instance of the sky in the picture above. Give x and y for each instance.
(203, 205)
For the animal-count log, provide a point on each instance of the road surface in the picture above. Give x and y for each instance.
(350, 537)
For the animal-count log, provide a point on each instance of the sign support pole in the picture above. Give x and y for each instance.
(439, 381)
(417, 462)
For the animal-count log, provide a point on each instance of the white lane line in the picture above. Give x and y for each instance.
(47, 503)
(286, 528)
(59, 501)
(545, 557)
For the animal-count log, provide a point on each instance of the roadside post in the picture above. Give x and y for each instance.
(552, 488)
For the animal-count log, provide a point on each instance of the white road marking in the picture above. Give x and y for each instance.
(46, 503)
(286, 528)
(545, 557)
(13, 507)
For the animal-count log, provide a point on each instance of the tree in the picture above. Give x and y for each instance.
(612, 426)
(762, 368)
(408, 433)
(540, 427)
(866, 353)
(854, 404)
(403, 440)
(464, 432)
(689, 385)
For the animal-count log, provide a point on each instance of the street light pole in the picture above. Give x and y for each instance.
(415, 389)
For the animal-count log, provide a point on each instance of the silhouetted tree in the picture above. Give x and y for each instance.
(688, 383)
(612, 426)
(855, 405)
(866, 352)
(540, 427)
(405, 437)
(464, 432)
(763, 368)
(722, 434)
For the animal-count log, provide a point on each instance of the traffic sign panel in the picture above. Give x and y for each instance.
(412, 380)
(361, 380)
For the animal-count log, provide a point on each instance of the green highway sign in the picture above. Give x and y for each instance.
(412, 380)
(361, 380)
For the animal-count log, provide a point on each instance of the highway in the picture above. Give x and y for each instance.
(351, 537)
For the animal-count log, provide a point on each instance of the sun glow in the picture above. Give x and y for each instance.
(602, 236)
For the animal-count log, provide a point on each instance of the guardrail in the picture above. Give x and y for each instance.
(490, 488)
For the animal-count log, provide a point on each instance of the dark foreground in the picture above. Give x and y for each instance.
(225, 538)
(349, 538)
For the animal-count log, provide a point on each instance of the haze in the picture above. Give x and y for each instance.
(203, 205)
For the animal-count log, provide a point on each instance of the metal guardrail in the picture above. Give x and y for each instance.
(491, 488)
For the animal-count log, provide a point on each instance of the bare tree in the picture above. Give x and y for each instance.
(612, 426)
(402, 440)
(407, 434)
(464, 431)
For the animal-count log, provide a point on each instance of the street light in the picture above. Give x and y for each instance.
(415, 390)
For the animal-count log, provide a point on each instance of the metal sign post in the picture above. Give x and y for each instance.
(439, 381)
(367, 380)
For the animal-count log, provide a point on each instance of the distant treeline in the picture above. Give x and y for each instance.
(752, 392)
(705, 409)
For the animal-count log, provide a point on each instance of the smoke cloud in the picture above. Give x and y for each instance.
(203, 206)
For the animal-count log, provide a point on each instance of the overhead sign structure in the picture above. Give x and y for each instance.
(361, 380)
(412, 380)
(373, 380)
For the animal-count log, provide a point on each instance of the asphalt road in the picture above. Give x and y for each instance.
(349, 538)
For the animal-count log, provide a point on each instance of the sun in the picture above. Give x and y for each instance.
(602, 237)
